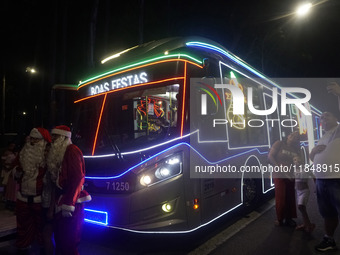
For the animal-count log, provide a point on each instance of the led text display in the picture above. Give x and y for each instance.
(117, 83)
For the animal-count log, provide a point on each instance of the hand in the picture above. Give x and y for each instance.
(66, 214)
(334, 88)
(18, 173)
(315, 150)
(318, 148)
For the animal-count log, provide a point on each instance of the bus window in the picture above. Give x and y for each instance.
(256, 124)
(204, 97)
(287, 122)
(86, 120)
(139, 117)
(273, 123)
(155, 109)
(237, 132)
(301, 121)
(205, 107)
(317, 127)
(248, 129)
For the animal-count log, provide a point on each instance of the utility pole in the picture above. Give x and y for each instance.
(141, 21)
(3, 103)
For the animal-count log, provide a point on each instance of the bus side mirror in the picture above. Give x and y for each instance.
(205, 62)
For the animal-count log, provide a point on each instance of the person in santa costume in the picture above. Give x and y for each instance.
(67, 169)
(29, 173)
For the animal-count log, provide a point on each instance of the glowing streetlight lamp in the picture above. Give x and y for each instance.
(303, 9)
(30, 70)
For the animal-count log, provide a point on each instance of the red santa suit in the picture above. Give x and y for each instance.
(30, 173)
(70, 198)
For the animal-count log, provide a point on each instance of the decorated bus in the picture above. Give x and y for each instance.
(166, 146)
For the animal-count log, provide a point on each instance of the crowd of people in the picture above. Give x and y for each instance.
(44, 181)
(290, 187)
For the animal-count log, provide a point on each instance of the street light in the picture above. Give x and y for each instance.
(303, 9)
(30, 70)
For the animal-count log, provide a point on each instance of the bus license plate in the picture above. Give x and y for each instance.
(108, 186)
(118, 186)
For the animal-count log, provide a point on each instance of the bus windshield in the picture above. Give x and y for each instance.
(129, 120)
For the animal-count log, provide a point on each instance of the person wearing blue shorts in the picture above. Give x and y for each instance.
(326, 154)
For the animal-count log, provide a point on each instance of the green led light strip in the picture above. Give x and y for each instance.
(141, 63)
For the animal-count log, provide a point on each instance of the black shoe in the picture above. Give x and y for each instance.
(290, 223)
(326, 244)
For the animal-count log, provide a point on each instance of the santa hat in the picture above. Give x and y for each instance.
(62, 130)
(41, 133)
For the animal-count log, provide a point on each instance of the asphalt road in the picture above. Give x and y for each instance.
(252, 233)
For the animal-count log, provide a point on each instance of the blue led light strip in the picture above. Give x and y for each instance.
(239, 62)
(179, 144)
(128, 170)
(138, 151)
(105, 215)
(176, 232)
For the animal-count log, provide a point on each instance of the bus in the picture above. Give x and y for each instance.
(153, 164)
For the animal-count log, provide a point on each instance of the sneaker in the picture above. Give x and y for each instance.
(326, 245)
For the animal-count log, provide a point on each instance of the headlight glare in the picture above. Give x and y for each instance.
(161, 170)
(167, 207)
(173, 161)
(145, 180)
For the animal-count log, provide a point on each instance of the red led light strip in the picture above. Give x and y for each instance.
(99, 121)
(183, 99)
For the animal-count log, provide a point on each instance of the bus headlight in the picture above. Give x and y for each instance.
(161, 171)
(145, 180)
(167, 207)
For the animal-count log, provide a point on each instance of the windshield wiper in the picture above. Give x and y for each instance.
(114, 146)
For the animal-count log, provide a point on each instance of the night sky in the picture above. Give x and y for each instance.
(55, 37)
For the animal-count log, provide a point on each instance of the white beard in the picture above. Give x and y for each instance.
(32, 157)
(56, 155)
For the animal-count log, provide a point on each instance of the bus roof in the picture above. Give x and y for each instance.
(173, 47)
